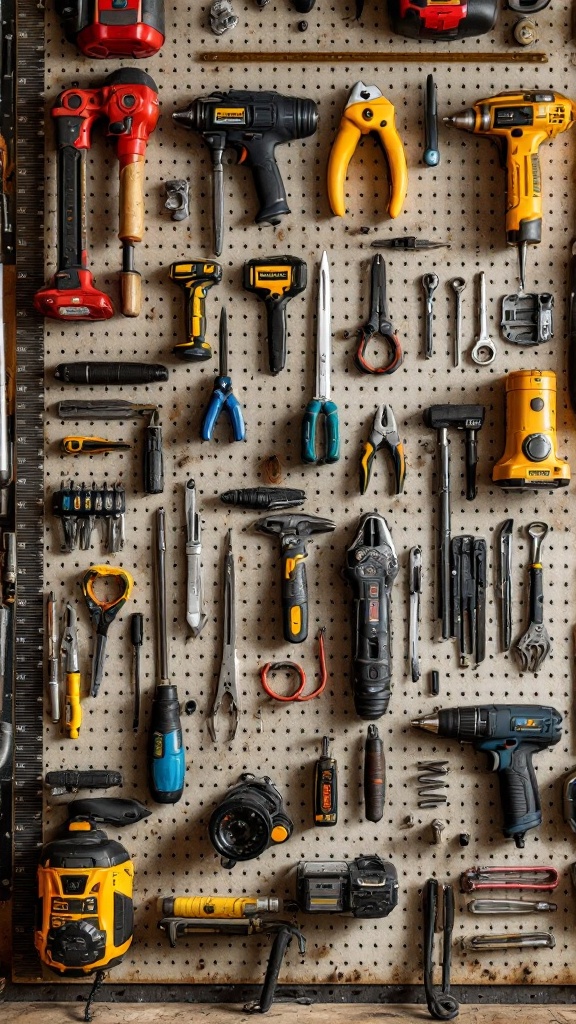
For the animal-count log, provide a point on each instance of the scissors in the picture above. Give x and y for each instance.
(102, 612)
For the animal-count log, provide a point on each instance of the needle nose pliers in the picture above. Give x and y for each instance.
(384, 434)
(222, 396)
(378, 323)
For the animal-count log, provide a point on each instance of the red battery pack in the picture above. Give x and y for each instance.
(113, 28)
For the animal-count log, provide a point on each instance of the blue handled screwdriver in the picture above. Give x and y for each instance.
(222, 396)
(166, 764)
(321, 404)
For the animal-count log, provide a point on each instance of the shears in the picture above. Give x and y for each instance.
(367, 110)
(103, 612)
(378, 324)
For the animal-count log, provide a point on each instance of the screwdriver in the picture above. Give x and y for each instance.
(325, 787)
(102, 409)
(166, 763)
(136, 637)
(374, 775)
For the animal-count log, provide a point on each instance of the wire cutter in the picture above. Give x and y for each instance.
(367, 110)
(103, 612)
(227, 680)
(378, 324)
(321, 402)
(384, 434)
(222, 396)
(69, 653)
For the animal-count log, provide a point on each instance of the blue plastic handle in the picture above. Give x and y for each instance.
(168, 767)
(309, 424)
(234, 410)
(212, 413)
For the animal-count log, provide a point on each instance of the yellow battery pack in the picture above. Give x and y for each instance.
(530, 457)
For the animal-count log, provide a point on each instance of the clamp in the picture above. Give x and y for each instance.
(384, 434)
(367, 110)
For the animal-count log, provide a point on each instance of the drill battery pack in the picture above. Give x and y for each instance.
(113, 28)
(441, 19)
(530, 457)
(85, 913)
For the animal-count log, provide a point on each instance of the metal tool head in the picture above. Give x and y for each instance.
(373, 532)
(361, 93)
(384, 427)
(537, 532)
(227, 681)
(533, 648)
(296, 524)
(223, 343)
(378, 301)
(323, 332)
(69, 641)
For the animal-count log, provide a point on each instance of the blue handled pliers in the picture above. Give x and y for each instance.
(321, 403)
(222, 396)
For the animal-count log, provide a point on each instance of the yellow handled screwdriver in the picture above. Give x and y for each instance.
(69, 652)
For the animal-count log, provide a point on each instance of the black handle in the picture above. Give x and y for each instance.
(519, 794)
(114, 810)
(281, 942)
(110, 373)
(536, 595)
(372, 653)
(374, 775)
(153, 460)
(137, 629)
(276, 317)
(71, 205)
(91, 778)
(471, 463)
(267, 182)
(294, 594)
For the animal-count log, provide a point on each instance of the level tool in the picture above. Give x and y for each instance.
(28, 114)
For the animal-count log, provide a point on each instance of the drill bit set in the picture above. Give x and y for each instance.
(80, 509)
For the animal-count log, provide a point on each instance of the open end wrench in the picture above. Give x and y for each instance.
(458, 285)
(429, 284)
(484, 351)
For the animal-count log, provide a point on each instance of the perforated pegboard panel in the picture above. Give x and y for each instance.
(460, 202)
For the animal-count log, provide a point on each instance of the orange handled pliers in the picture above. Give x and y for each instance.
(367, 110)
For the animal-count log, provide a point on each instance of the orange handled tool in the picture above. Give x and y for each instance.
(367, 110)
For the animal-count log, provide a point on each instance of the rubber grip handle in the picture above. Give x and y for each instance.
(153, 461)
(217, 399)
(195, 348)
(366, 466)
(166, 761)
(236, 418)
(267, 182)
(72, 707)
(310, 429)
(276, 318)
(536, 595)
(372, 655)
(374, 777)
(294, 595)
(281, 942)
(110, 373)
(519, 793)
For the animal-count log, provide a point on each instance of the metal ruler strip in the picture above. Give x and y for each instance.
(29, 485)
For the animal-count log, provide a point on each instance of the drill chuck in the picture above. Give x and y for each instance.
(465, 120)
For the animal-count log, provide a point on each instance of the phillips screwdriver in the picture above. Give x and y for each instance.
(374, 775)
(110, 373)
(325, 787)
(69, 651)
(166, 761)
(102, 409)
(136, 638)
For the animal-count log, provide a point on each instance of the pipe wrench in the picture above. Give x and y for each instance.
(195, 616)
(367, 110)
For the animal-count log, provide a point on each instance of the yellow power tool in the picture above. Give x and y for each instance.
(530, 458)
(367, 110)
(519, 122)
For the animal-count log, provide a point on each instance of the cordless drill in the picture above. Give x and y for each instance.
(511, 734)
(519, 122)
(195, 278)
(252, 124)
(128, 100)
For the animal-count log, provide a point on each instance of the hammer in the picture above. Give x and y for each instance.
(470, 419)
(294, 531)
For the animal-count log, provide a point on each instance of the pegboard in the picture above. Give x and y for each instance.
(460, 202)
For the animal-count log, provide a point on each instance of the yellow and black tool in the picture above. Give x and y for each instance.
(367, 110)
(275, 280)
(220, 906)
(92, 445)
(85, 911)
(103, 611)
(196, 277)
(530, 457)
(69, 652)
(519, 122)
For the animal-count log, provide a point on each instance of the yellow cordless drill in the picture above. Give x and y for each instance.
(519, 122)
